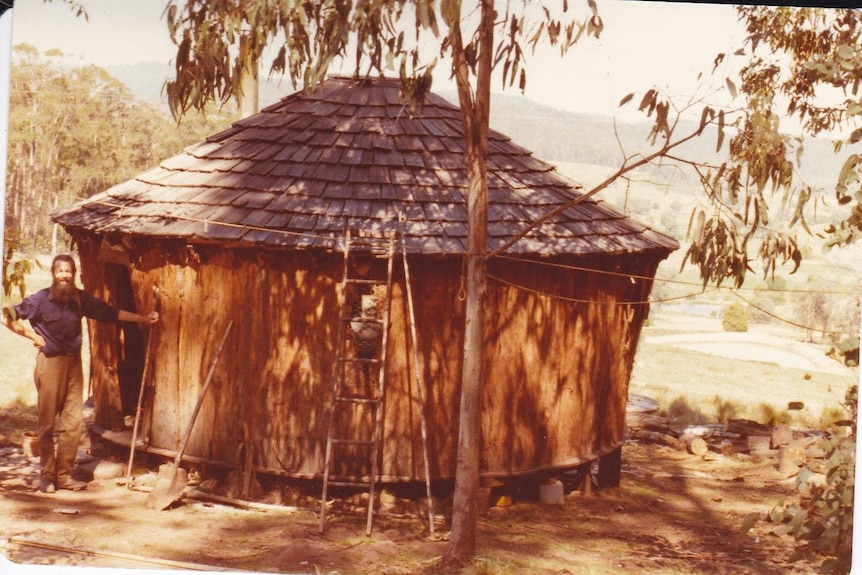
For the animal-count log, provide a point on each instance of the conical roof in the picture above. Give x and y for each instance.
(350, 155)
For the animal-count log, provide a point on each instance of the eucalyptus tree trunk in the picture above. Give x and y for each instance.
(248, 96)
(475, 114)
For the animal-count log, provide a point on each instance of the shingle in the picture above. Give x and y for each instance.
(254, 200)
(351, 153)
(257, 218)
(355, 208)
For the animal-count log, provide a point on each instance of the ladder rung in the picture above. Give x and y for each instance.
(350, 483)
(363, 319)
(365, 281)
(346, 359)
(357, 400)
(352, 442)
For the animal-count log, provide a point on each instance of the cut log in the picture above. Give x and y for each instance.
(724, 447)
(786, 462)
(759, 445)
(748, 427)
(695, 445)
(638, 420)
(689, 443)
(663, 438)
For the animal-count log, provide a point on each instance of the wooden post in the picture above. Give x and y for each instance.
(782, 434)
(610, 469)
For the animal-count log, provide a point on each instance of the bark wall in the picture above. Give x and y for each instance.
(561, 346)
(560, 349)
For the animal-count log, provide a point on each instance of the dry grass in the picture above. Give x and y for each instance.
(18, 358)
(17, 355)
(694, 387)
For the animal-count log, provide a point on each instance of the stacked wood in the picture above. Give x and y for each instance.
(648, 422)
(790, 447)
(690, 443)
(749, 427)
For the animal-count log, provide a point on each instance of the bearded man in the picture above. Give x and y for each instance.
(54, 315)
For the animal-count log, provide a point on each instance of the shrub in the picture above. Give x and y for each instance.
(734, 318)
(682, 412)
(725, 409)
(15, 271)
(822, 523)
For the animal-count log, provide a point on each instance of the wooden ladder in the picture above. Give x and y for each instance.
(361, 341)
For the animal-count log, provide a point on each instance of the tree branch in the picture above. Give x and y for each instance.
(624, 169)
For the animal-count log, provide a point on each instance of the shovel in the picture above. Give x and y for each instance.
(172, 480)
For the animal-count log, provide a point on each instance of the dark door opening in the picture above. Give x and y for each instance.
(132, 340)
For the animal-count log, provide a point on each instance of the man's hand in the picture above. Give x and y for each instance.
(10, 320)
(38, 340)
(151, 318)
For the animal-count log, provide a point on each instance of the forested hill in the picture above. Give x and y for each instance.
(552, 134)
(559, 136)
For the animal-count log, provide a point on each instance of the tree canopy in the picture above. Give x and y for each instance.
(799, 65)
(820, 88)
(395, 37)
(74, 132)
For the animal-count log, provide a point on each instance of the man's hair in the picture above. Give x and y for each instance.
(63, 258)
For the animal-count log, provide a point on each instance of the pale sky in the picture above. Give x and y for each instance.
(643, 44)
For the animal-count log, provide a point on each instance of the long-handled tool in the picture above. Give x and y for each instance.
(141, 394)
(169, 485)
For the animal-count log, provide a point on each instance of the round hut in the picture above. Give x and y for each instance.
(249, 228)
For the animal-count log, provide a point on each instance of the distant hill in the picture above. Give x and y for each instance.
(551, 134)
(146, 80)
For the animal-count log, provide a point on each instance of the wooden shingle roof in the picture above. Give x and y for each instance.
(350, 155)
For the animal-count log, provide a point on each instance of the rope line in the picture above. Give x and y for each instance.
(669, 281)
(334, 239)
(652, 301)
(592, 301)
(789, 322)
(734, 291)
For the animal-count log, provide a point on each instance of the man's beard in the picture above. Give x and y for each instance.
(65, 292)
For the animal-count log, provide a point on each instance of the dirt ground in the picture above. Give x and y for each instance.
(673, 513)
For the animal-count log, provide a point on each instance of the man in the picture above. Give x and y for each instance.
(54, 314)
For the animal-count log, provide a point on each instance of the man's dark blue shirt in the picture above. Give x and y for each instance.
(60, 323)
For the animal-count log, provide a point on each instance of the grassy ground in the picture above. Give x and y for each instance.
(18, 360)
(694, 387)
